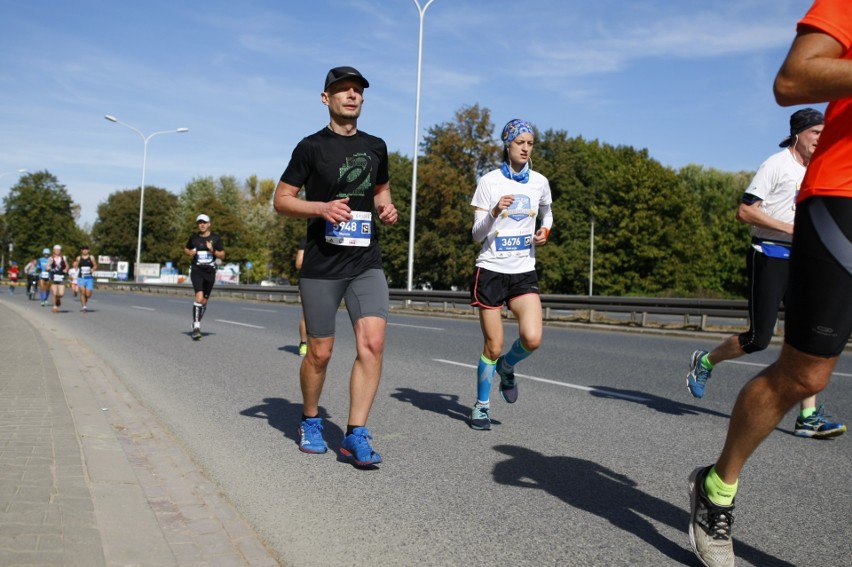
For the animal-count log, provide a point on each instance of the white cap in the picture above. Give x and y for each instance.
(55, 246)
(202, 217)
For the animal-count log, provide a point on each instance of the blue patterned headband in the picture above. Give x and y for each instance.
(514, 129)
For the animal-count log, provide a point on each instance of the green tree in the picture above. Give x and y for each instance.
(718, 195)
(643, 209)
(116, 230)
(39, 214)
(455, 155)
(394, 239)
(563, 264)
(277, 238)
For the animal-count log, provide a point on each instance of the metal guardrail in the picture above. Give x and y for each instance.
(555, 307)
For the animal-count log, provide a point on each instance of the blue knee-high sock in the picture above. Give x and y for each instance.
(484, 375)
(516, 354)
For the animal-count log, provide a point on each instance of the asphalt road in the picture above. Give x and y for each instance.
(588, 468)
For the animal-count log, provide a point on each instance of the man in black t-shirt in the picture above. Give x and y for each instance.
(205, 247)
(344, 173)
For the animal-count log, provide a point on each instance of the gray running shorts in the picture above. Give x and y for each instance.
(366, 295)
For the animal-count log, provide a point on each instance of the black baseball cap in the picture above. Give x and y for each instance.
(340, 73)
(800, 121)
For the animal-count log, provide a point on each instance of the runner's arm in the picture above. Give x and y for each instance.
(813, 70)
(753, 215)
(287, 203)
(382, 201)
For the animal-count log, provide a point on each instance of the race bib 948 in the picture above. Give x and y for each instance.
(357, 231)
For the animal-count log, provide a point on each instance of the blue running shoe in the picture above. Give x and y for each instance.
(310, 436)
(817, 426)
(698, 375)
(480, 417)
(357, 446)
(508, 385)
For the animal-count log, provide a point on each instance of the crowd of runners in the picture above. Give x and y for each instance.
(338, 181)
(48, 276)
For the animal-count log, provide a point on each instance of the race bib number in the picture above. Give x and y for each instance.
(85, 271)
(45, 275)
(58, 278)
(512, 243)
(357, 231)
(204, 257)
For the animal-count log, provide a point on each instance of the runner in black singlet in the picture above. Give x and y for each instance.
(205, 247)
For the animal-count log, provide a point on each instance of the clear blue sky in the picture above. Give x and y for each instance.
(690, 80)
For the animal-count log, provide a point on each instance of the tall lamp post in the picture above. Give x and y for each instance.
(142, 187)
(422, 12)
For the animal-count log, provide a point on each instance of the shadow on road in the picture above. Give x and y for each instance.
(437, 402)
(284, 416)
(656, 403)
(667, 405)
(611, 496)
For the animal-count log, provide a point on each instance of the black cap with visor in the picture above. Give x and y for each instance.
(340, 73)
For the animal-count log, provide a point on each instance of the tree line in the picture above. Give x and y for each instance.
(657, 231)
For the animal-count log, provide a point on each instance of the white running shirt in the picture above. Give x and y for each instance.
(776, 183)
(508, 248)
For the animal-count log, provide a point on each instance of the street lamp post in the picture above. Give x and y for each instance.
(142, 187)
(422, 12)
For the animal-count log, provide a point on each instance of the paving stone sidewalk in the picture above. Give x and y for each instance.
(89, 477)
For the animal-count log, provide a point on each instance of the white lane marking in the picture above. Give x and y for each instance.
(261, 310)
(143, 308)
(238, 323)
(599, 391)
(744, 363)
(415, 326)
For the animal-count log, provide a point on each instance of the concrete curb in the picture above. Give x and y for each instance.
(150, 503)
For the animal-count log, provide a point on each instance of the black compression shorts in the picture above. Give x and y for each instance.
(818, 311)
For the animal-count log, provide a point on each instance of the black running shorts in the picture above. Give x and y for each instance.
(202, 280)
(492, 290)
(818, 310)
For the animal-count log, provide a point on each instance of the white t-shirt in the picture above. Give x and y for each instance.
(776, 183)
(508, 248)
